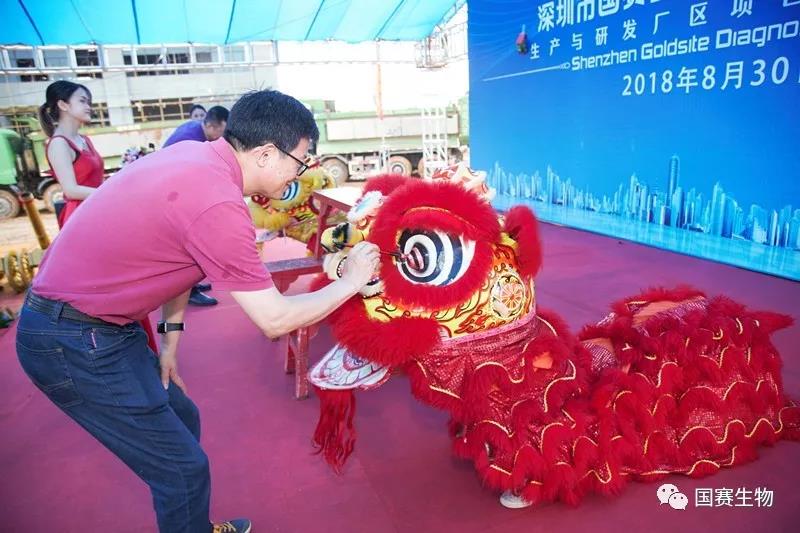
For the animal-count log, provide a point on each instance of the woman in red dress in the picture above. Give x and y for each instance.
(75, 163)
(73, 159)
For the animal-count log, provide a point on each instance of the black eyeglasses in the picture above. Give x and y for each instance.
(303, 165)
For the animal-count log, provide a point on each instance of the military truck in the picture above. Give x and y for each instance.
(19, 173)
(352, 146)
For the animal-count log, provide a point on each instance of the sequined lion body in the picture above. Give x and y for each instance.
(669, 382)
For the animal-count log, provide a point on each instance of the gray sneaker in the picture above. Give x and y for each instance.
(240, 525)
(509, 500)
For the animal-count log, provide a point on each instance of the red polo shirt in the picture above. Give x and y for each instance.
(152, 231)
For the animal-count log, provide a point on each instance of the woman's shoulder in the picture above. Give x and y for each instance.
(64, 141)
(59, 143)
(60, 146)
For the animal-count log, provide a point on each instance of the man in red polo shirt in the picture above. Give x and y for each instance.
(142, 241)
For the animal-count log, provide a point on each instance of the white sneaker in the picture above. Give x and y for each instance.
(510, 500)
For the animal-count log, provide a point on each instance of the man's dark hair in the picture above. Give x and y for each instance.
(263, 117)
(216, 115)
(196, 106)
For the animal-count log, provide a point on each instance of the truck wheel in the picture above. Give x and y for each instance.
(51, 195)
(9, 205)
(421, 167)
(399, 165)
(338, 170)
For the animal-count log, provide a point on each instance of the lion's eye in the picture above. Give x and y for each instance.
(291, 191)
(434, 257)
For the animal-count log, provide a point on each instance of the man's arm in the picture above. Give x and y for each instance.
(172, 311)
(276, 314)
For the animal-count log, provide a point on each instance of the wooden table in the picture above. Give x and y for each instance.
(283, 273)
(286, 271)
(329, 200)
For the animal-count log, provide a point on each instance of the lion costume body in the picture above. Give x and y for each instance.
(669, 382)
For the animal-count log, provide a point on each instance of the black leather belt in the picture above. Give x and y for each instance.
(46, 305)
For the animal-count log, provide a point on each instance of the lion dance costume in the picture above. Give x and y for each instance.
(294, 214)
(671, 381)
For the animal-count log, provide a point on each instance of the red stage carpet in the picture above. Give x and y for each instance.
(56, 478)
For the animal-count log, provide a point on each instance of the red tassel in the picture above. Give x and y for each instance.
(335, 436)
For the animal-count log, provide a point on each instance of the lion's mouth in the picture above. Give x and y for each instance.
(341, 369)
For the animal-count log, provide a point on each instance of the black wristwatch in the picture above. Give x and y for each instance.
(164, 327)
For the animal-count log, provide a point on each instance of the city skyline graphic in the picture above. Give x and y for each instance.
(710, 224)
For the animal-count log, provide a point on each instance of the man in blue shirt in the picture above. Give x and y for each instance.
(210, 128)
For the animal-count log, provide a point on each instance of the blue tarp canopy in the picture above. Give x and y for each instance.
(72, 22)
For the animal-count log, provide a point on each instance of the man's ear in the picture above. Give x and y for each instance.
(263, 153)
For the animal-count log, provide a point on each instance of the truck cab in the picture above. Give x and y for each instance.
(19, 173)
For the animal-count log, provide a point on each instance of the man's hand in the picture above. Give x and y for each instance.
(361, 264)
(169, 369)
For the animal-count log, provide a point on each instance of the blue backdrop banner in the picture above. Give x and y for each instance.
(669, 122)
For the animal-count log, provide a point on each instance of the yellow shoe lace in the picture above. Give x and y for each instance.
(225, 527)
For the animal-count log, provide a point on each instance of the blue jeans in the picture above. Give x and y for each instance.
(107, 379)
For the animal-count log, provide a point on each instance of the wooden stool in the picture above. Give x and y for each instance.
(284, 273)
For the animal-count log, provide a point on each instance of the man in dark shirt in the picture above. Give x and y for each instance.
(208, 129)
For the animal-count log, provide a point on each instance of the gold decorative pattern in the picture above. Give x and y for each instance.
(502, 428)
(544, 429)
(721, 357)
(618, 396)
(647, 441)
(437, 389)
(510, 377)
(727, 391)
(691, 470)
(546, 407)
(660, 370)
(599, 478)
(575, 444)
(655, 406)
(549, 325)
(735, 421)
(508, 295)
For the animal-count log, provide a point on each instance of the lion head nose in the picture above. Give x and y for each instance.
(341, 236)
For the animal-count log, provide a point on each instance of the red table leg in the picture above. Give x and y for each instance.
(301, 364)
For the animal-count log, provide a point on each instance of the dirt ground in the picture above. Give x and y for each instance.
(17, 234)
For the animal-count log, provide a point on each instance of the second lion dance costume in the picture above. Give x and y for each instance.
(294, 214)
(670, 382)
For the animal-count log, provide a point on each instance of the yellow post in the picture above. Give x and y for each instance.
(27, 201)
